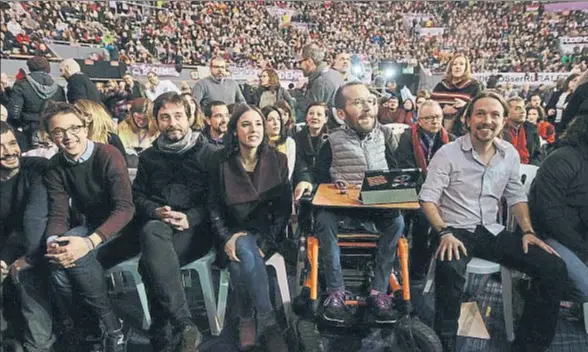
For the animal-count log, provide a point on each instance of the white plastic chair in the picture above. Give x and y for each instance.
(279, 264)
(215, 310)
(132, 266)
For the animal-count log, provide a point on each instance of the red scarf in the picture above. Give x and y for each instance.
(519, 140)
(419, 151)
(546, 131)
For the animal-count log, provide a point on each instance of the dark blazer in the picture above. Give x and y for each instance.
(533, 143)
(79, 86)
(559, 198)
(260, 204)
(306, 153)
(22, 233)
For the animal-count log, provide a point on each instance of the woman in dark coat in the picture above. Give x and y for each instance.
(270, 90)
(250, 203)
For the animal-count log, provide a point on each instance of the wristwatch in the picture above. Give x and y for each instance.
(444, 231)
(529, 232)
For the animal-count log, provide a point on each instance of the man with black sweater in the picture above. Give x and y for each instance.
(170, 193)
(23, 216)
(93, 177)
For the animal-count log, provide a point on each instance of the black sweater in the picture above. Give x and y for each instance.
(559, 198)
(99, 188)
(22, 226)
(176, 180)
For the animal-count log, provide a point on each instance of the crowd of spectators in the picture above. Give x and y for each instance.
(506, 37)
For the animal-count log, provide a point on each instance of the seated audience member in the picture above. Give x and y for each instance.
(23, 143)
(288, 116)
(250, 203)
(521, 133)
(536, 116)
(100, 125)
(559, 202)
(278, 136)
(157, 87)
(308, 143)
(94, 178)
(361, 144)
(535, 100)
(138, 131)
(23, 216)
(577, 105)
(196, 118)
(389, 111)
(170, 193)
(465, 182)
(417, 146)
(216, 117)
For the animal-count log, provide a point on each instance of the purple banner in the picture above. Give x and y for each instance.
(566, 6)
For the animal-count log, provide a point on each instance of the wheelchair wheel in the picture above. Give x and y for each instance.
(412, 334)
(309, 336)
(11, 346)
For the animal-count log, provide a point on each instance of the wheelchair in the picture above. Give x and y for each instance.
(357, 260)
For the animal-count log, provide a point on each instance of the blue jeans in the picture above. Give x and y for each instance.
(249, 277)
(86, 278)
(390, 225)
(577, 270)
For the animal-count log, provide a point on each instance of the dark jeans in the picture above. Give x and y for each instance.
(163, 252)
(389, 223)
(421, 250)
(33, 290)
(249, 278)
(537, 326)
(85, 281)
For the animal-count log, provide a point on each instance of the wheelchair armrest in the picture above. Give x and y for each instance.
(306, 198)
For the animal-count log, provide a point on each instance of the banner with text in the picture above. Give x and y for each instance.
(160, 70)
(568, 44)
(517, 79)
(431, 32)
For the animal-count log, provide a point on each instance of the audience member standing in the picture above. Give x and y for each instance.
(217, 87)
(29, 96)
(79, 85)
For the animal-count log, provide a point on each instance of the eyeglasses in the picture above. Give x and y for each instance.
(360, 103)
(431, 117)
(217, 67)
(60, 132)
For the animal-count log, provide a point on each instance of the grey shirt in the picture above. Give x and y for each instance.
(466, 191)
(226, 90)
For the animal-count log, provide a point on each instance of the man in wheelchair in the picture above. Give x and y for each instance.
(361, 144)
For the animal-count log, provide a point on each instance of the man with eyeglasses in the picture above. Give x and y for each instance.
(361, 144)
(417, 146)
(90, 180)
(323, 81)
(217, 86)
